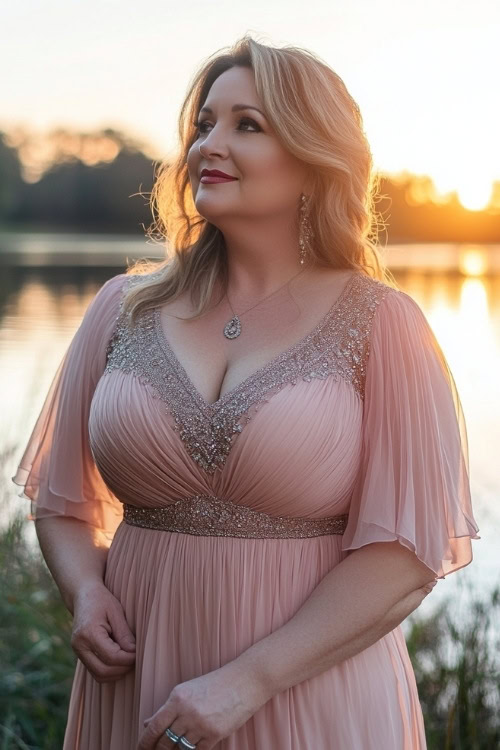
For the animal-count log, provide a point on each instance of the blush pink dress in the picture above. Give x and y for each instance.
(356, 428)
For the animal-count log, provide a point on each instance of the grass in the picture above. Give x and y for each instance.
(455, 655)
(455, 660)
(35, 652)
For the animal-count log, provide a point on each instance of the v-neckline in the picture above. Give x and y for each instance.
(213, 406)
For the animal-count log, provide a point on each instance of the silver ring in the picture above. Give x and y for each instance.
(172, 736)
(185, 743)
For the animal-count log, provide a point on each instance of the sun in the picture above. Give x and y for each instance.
(474, 196)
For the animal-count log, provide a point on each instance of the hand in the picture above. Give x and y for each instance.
(101, 637)
(205, 709)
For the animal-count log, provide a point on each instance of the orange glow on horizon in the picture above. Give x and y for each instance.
(472, 195)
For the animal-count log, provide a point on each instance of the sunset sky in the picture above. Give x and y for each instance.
(426, 76)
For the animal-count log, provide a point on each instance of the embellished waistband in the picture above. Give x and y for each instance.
(206, 515)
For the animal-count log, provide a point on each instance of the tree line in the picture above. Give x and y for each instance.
(101, 182)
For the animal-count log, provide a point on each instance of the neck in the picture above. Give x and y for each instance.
(261, 259)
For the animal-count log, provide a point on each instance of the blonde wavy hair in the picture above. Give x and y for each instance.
(317, 121)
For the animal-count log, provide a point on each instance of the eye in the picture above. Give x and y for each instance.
(243, 120)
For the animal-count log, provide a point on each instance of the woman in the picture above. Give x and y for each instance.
(268, 431)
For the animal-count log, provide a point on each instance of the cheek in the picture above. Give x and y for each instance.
(274, 179)
(272, 166)
(193, 160)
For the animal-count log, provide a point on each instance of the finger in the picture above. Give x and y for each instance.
(100, 671)
(121, 631)
(155, 729)
(108, 651)
(164, 743)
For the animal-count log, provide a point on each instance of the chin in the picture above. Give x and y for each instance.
(208, 207)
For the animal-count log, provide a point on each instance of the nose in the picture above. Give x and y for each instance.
(211, 145)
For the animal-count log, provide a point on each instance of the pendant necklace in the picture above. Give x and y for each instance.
(232, 329)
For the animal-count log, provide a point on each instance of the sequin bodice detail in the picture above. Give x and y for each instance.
(337, 347)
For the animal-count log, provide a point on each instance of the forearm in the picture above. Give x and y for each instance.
(75, 553)
(362, 599)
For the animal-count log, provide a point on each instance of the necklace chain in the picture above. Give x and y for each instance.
(232, 329)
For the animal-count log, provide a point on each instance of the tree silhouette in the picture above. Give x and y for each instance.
(101, 181)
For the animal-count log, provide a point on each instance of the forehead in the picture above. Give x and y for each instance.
(234, 85)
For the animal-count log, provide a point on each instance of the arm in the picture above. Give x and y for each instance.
(76, 553)
(362, 599)
(74, 511)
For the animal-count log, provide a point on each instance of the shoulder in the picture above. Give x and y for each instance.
(108, 299)
(103, 310)
(363, 299)
(400, 335)
(390, 305)
(391, 320)
(109, 291)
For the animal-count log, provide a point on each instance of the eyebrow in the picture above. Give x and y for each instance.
(235, 108)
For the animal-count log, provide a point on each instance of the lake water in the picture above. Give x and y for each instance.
(47, 282)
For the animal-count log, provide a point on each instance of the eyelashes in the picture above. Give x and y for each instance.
(246, 120)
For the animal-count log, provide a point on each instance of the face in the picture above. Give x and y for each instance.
(243, 145)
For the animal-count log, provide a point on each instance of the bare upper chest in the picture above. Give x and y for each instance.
(214, 364)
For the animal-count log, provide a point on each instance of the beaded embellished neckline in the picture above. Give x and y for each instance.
(279, 358)
(337, 346)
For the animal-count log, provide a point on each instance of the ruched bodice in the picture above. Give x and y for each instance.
(300, 439)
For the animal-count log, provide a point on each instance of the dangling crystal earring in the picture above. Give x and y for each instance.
(305, 229)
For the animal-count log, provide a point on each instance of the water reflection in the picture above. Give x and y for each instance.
(473, 260)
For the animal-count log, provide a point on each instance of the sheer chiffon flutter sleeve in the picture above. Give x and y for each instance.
(57, 470)
(413, 484)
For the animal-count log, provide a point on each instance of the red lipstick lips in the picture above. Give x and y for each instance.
(215, 175)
